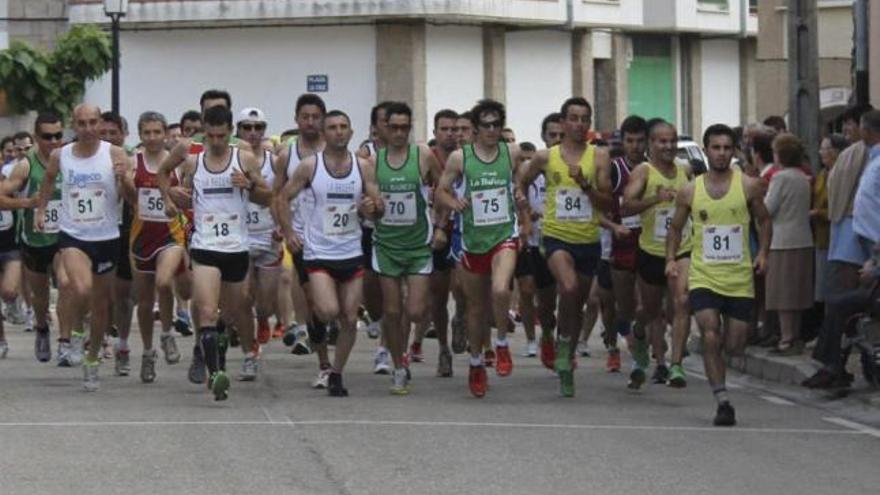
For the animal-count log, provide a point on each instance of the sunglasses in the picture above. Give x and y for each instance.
(253, 127)
(399, 127)
(58, 136)
(494, 124)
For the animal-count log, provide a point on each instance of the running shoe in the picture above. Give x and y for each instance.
(148, 366)
(444, 363)
(322, 379)
(301, 345)
(42, 345)
(382, 362)
(459, 338)
(29, 319)
(90, 376)
(478, 381)
(489, 358)
(548, 351)
(65, 349)
(264, 333)
(197, 373)
(220, 385)
(121, 361)
(399, 382)
(514, 316)
(106, 347)
(636, 379)
(373, 330)
(612, 364)
(169, 348)
(640, 353)
(183, 323)
(114, 331)
(676, 377)
(504, 366)
(289, 337)
(334, 385)
(661, 374)
(4, 349)
(249, 368)
(415, 352)
(725, 415)
(563, 367)
(582, 349)
(278, 331)
(531, 349)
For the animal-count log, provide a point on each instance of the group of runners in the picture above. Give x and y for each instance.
(238, 229)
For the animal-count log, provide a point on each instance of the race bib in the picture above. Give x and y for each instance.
(490, 207)
(151, 206)
(573, 205)
(662, 221)
(632, 222)
(340, 219)
(7, 218)
(221, 230)
(259, 218)
(400, 208)
(87, 205)
(51, 217)
(722, 243)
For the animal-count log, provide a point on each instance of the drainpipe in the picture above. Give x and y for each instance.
(569, 15)
(743, 18)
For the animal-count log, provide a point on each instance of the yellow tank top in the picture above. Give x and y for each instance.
(656, 219)
(721, 260)
(568, 213)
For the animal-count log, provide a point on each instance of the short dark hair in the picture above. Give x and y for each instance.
(553, 117)
(445, 114)
(215, 94)
(871, 120)
(113, 118)
(718, 130)
(310, 99)
(22, 135)
(290, 132)
(776, 122)
(466, 115)
(855, 112)
(657, 123)
(838, 141)
(337, 113)
(173, 126)
(762, 144)
(46, 118)
(488, 106)
(374, 112)
(398, 108)
(5, 140)
(527, 146)
(634, 124)
(575, 101)
(151, 116)
(789, 149)
(218, 115)
(190, 115)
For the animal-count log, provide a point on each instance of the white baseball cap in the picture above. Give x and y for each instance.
(251, 114)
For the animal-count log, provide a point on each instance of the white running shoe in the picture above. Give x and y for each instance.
(322, 380)
(531, 349)
(382, 362)
(65, 349)
(169, 348)
(90, 377)
(148, 366)
(582, 349)
(373, 330)
(77, 348)
(249, 368)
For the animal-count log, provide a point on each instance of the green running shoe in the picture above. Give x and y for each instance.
(676, 377)
(562, 365)
(220, 385)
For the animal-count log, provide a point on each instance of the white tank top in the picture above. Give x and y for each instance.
(219, 209)
(332, 228)
(7, 217)
(90, 201)
(302, 205)
(259, 219)
(536, 202)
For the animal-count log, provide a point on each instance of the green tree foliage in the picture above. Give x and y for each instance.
(34, 79)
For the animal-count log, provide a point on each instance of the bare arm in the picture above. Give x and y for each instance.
(251, 179)
(163, 176)
(292, 188)
(529, 170)
(47, 187)
(280, 169)
(636, 198)
(600, 195)
(444, 197)
(679, 220)
(11, 185)
(129, 191)
(755, 196)
(371, 206)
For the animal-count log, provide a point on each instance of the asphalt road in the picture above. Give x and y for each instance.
(278, 436)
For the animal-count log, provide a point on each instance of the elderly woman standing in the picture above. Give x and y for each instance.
(829, 150)
(790, 265)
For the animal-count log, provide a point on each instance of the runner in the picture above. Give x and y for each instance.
(720, 203)
(224, 179)
(157, 245)
(577, 184)
(341, 185)
(489, 233)
(402, 237)
(88, 241)
(311, 333)
(10, 259)
(650, 191)
(38, 249)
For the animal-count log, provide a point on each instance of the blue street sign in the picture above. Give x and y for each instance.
(317, 83)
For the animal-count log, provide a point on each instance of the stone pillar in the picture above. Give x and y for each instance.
(401, 71)
(612, 85)
(582, 71)
(748, 103)
(494, 66)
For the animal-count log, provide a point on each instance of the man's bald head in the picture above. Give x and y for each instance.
(86, 119)
(86, 110)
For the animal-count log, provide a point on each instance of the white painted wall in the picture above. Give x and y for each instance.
(720, 83)
(263, 67)
(454, 65)
(538, 79)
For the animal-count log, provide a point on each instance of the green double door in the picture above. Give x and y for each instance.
(651, 78)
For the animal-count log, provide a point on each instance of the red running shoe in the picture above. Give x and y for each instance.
(415, 352)
(278, 331)
(478, 381)
(504, 367)
(548, 353)
(264, 333)
(489, 358)
(613, 362)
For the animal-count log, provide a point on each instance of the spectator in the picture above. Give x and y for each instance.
(777, 123)
(7, 146)
(866, 206)
(829, 150)
(790, 265)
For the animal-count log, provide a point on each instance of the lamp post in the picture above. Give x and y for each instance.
(115, 9)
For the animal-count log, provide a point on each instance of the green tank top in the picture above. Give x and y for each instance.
(30, 236)
(406, 224)
(490, 218)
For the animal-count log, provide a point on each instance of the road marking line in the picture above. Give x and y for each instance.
(729, 384)
(779, 401)
(874, 432)
(435, 424)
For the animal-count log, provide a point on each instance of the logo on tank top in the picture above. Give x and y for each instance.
(80, 180)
